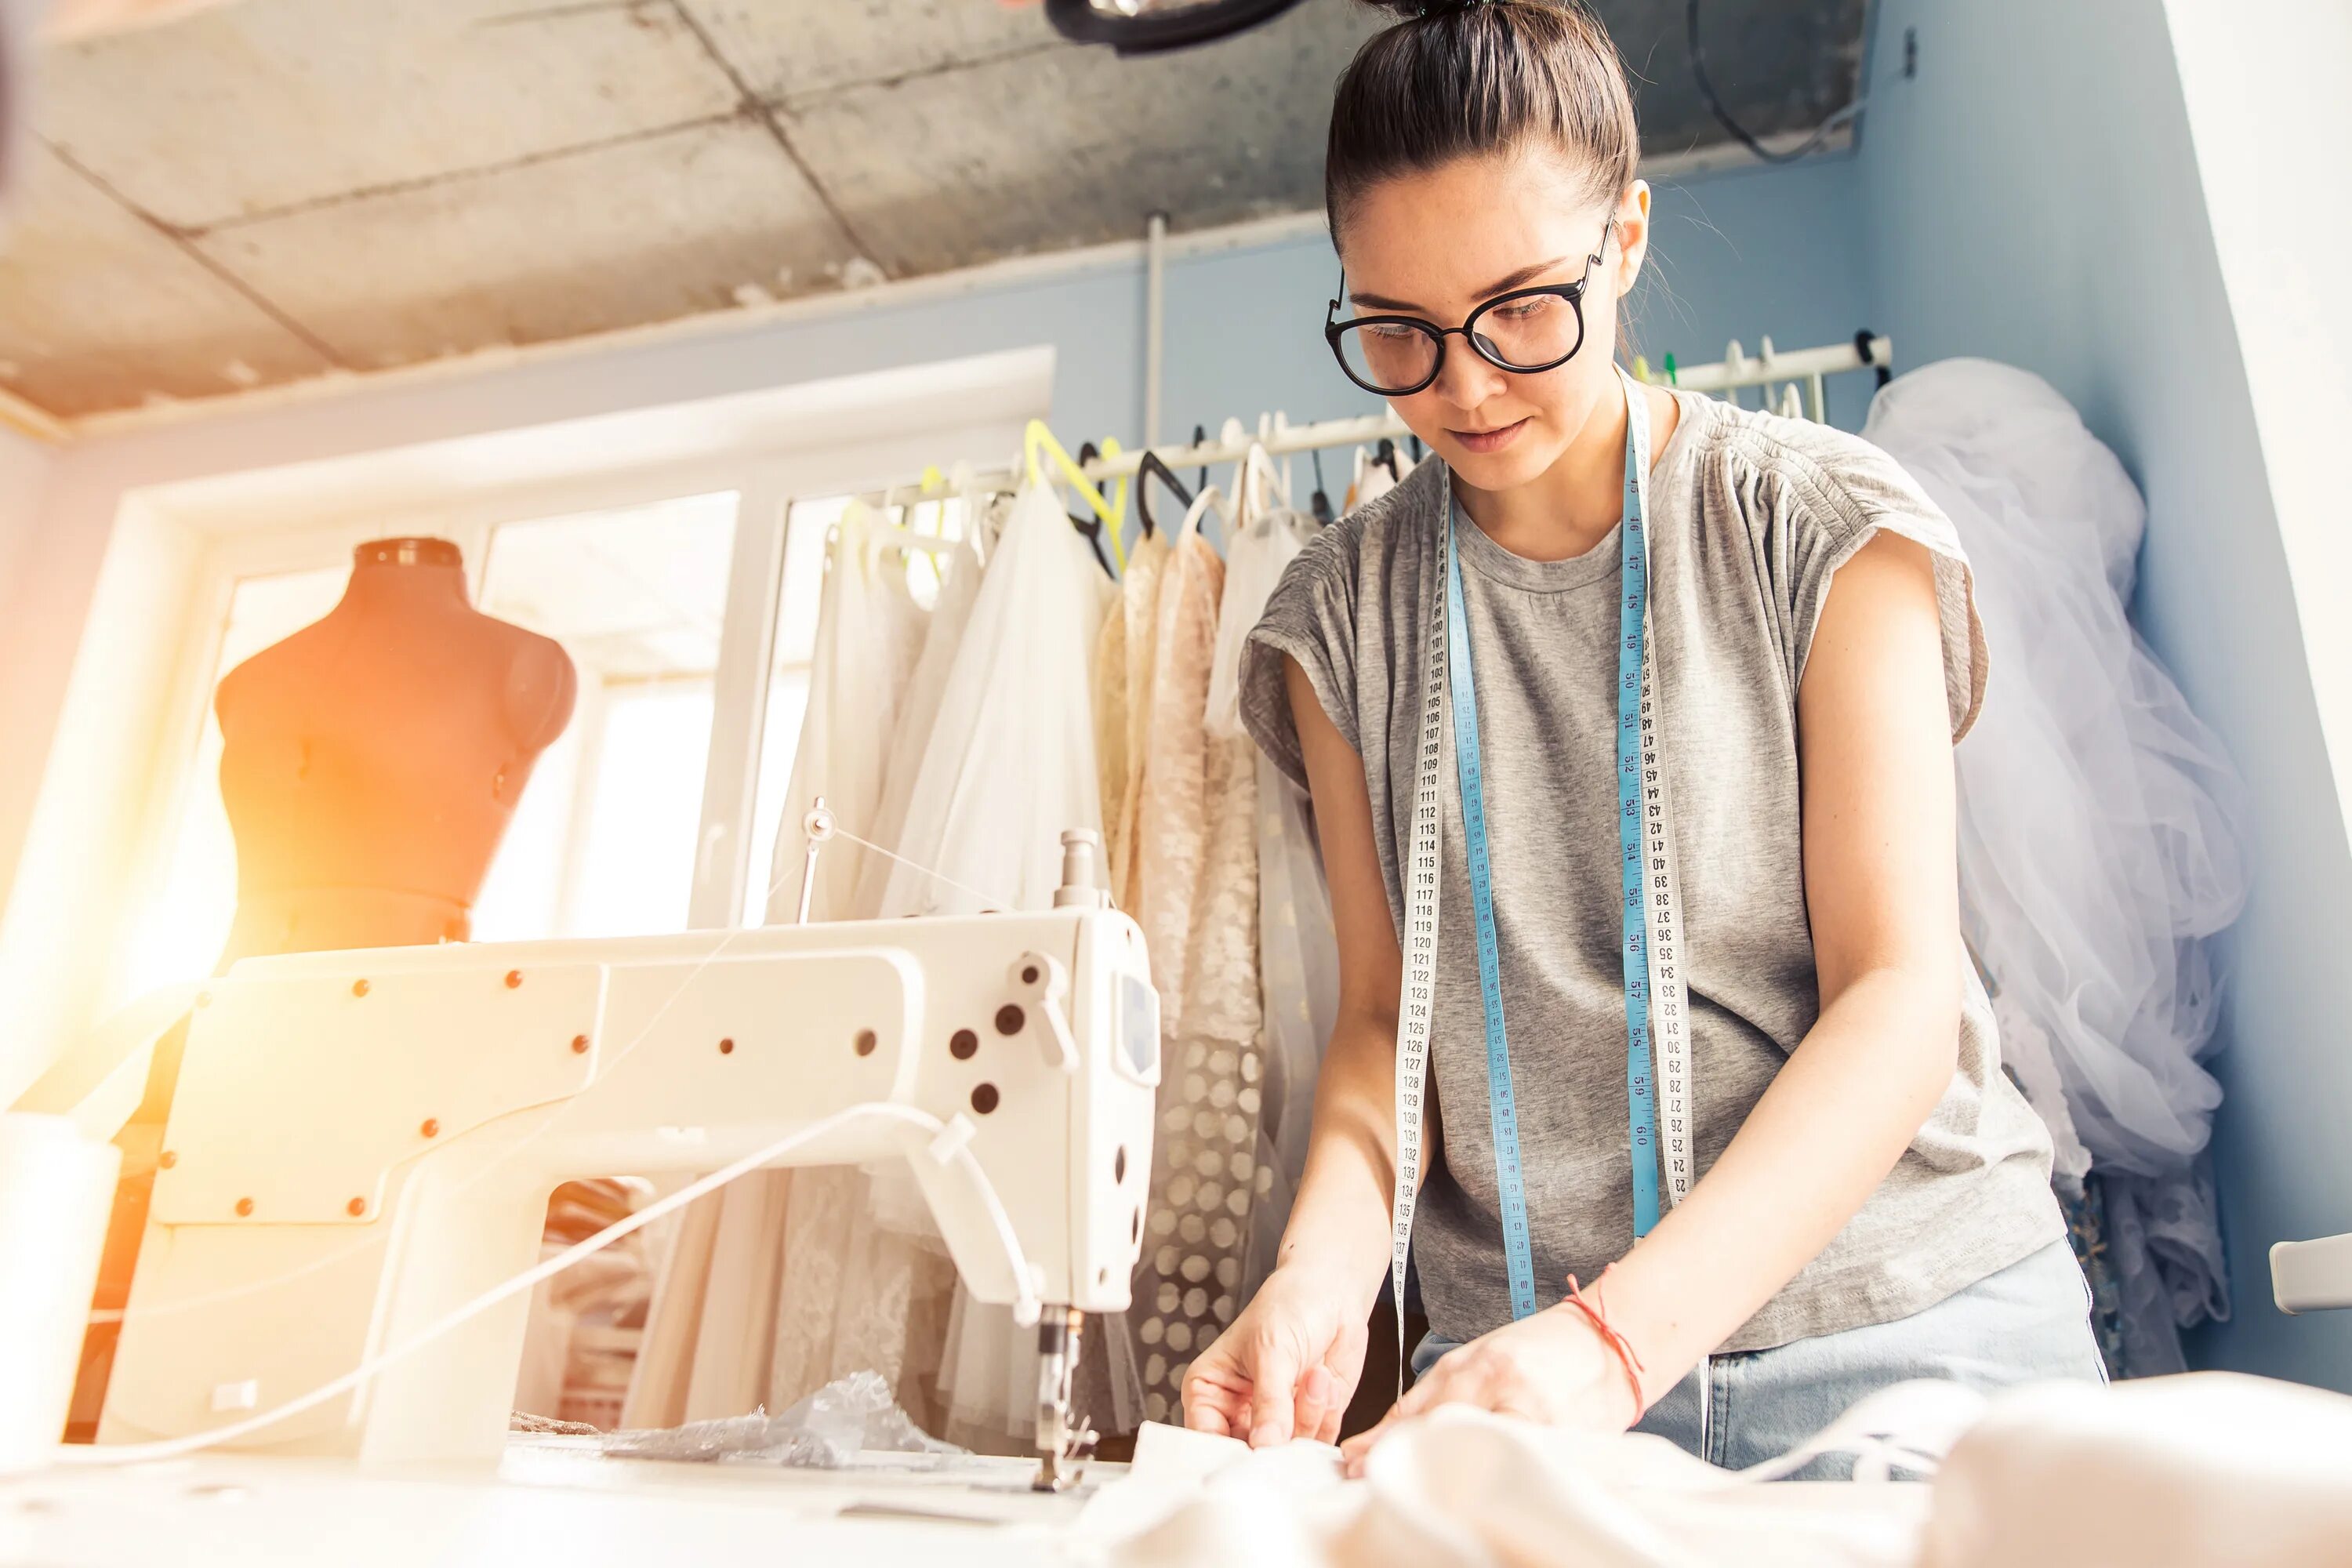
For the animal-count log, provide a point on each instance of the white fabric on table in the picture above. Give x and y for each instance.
(2101, 838)
(1464, 1489)
(2166, 1472)
(2170, 1472)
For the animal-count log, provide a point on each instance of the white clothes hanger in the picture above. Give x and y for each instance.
(1208, 501)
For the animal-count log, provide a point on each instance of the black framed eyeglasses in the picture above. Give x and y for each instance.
(1524, 330)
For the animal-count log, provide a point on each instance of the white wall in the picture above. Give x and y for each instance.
(2263, 83)
(2033, 194)
(23, 483)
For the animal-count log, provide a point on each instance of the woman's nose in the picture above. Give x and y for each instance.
(1465, 380)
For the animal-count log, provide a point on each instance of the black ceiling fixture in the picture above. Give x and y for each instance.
(1144, 27)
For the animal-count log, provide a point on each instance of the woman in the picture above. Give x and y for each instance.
(1872, 1198)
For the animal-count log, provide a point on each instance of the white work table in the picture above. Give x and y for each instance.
(551, 1500)
(558, 1500)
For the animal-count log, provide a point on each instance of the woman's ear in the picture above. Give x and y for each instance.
(1632, 235)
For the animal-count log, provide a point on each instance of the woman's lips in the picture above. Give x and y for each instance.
(1493, 440)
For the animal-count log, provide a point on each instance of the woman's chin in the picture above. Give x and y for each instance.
(1522, 460)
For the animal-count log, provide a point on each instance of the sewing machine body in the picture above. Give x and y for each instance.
(362, 1141)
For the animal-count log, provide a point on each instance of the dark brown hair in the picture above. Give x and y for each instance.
(1454, 80)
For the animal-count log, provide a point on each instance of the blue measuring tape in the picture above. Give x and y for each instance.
(1652, 924)
(1501, 1108)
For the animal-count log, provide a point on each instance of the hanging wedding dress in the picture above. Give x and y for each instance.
(709, 1336)
(866, 1280)
(1297, 952)
(2101, 832)
(1008, 765)
(1196, 864)
(918, 712)
(1123, 666)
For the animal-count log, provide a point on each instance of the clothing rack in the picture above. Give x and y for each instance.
(1277, 438)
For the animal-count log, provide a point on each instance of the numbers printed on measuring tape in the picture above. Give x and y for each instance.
(1655, 1007)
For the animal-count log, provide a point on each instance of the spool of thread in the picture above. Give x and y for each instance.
(56, 1189)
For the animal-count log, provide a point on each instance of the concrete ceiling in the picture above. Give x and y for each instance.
(270, 190)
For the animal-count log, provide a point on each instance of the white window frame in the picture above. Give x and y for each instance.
(981, 426)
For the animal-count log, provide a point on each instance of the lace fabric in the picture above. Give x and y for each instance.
(1297, 952)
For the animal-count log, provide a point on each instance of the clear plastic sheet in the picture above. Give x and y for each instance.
(826, 1431)
(2101, 838)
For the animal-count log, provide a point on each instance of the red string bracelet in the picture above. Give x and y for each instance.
(1626, 1355)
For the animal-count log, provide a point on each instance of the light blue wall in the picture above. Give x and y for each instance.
(1781, 253)
(2032, 197)
(1748, 254)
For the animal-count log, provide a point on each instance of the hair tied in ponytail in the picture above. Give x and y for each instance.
(1471, 78)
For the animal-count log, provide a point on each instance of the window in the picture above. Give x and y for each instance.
(604, 840)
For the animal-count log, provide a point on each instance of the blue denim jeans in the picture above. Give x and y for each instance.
(2025, 1323)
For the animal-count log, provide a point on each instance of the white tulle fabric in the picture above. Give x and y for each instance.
(2101, 832)
(866, 1281)
(1006, 765)
(714, 1343)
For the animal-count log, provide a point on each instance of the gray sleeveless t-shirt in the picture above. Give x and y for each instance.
(1751, 515)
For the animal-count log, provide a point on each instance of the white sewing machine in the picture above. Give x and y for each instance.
(363, 1142)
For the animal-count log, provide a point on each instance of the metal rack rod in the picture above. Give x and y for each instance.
(1737, 371)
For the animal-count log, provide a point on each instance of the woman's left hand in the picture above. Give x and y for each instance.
(1553, 1367)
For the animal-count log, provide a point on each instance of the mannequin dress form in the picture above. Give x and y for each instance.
(371, 761)
(369, 766)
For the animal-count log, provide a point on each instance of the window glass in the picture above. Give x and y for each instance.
(604, 840)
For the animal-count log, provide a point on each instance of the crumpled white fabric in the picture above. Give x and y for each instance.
(2101, 832)
(1465, 1489)
(2170, 1472)
(2166, 1472)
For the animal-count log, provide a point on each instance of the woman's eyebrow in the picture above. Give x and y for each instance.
(1524, 276)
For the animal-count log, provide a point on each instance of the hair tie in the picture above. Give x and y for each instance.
(1444, 5)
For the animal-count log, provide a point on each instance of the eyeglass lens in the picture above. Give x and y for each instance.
(1533, 331)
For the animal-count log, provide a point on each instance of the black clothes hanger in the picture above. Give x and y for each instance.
(1087, 523)
(1861, 346)
(1385, 455)
(1319, 504)
(1201, 439)
(1151, 466)
(1416, 452)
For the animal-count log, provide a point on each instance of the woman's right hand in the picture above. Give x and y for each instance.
(1286, 1367)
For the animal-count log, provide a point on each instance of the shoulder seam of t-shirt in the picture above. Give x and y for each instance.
(1783, 459)
(1855, 519)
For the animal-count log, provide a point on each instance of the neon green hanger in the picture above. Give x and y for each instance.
(1037, 439)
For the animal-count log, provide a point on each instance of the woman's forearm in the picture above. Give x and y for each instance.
(1339, 1219)
(1834, 1122)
